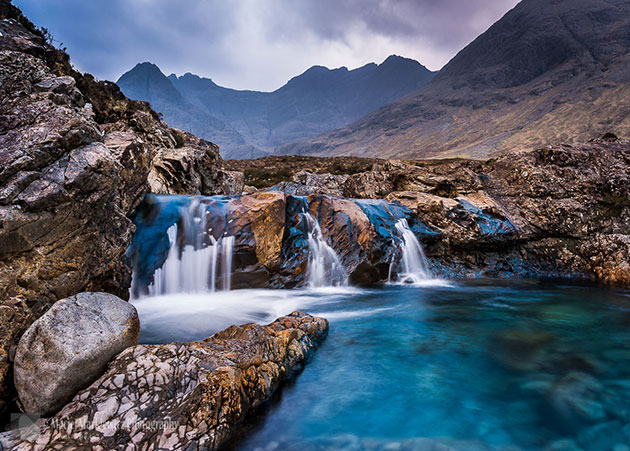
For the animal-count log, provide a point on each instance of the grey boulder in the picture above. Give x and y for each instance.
(69, 347)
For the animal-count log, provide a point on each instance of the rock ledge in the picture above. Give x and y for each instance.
(180, 395)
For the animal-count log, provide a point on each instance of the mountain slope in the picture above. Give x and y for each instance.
(250, 123)
(147, 82)
(548, 71)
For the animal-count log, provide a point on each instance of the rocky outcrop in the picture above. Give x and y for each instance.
(270, 231)
(69, 346)
(181, 395)
(559, 211)
(305, 183)
(185, 169)
(76, 160)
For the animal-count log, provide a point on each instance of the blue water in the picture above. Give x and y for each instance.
(486, 365)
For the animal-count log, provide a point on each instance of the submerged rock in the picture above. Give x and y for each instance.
(181, 395)
(521, 350)
(576, 400)
(69, 346)
(608, 436)
(350, 442)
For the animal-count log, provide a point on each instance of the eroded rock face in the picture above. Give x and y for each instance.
(69, 346)
(76, 160)
(181, 395)
(257, 221)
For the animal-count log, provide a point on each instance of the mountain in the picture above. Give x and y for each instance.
(549, 71)
(147, 82)
(246, 124)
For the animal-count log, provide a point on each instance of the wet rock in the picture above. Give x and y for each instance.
(258, 222)
(271, 235)
(69, 346)
(181, 395)
(351, 234)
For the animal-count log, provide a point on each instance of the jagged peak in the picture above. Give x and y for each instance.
(145, 69)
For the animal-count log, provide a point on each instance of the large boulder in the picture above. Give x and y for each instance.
(180, 395)
(69, 346)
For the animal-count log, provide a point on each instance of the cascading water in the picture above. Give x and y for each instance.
(414, 263)
(324, 266)
(196, 262)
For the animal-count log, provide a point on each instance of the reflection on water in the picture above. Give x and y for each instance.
(476, 366)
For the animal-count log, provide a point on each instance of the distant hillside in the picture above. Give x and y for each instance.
(247, 124)
(548, 71)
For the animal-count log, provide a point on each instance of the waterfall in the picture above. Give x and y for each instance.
(196, 262)
(414, 263)
(324, 266)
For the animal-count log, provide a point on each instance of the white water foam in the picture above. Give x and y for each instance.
(324, 266)
(196, 261)
(182, 317)
(415, 268)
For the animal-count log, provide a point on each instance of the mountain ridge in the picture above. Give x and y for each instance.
(546, 72)
(248, 124)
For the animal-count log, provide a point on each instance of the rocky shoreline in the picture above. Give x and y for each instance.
(77, 158)
(176, 395)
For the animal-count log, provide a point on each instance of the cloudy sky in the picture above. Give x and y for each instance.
(259, 44)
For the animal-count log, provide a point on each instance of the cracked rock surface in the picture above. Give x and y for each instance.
(180, 395)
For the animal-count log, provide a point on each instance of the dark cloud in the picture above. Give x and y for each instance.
(259, 44)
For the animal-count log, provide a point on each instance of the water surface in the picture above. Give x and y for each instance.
(478, 365)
